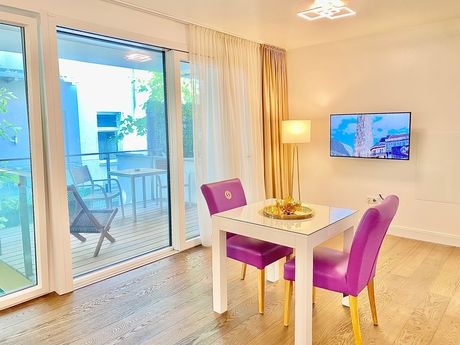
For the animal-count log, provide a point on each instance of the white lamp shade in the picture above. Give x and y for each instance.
(296, 131)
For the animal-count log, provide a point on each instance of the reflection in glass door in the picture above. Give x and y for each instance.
(116, 148)
(18, 269)
(191, 212)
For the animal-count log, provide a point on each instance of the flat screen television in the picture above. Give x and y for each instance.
(371, 135)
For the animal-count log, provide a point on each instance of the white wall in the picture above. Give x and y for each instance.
(412, 69)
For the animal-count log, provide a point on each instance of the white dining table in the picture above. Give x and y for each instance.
(302, 235)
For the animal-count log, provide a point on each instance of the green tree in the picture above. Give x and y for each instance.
(187, 117)
(154, 123)
(8, 133)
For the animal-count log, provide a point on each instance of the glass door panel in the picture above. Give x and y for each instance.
(18, 269)
(191, 212)
(116, 148)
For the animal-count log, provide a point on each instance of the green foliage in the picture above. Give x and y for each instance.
(129, 125)
(3, 222)
(8, 131)
(6, 178)
(187, 117)
(10, 204)
(154, 123)
(139, 126)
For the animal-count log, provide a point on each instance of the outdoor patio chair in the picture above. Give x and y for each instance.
(82, 179)
(85, 221)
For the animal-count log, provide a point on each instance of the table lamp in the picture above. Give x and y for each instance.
(295, 132)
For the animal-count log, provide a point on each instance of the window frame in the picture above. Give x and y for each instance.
(173, 61)
(32, 70)
(62, 271)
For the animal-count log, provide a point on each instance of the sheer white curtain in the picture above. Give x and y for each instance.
(226, 72)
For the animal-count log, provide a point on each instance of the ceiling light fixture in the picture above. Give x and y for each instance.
(332, 9)
(137, 57)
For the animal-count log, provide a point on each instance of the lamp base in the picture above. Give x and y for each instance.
(295, 164)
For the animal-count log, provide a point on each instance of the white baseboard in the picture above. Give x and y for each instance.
(425, 235)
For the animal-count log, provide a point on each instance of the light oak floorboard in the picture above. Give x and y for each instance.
(417, 290)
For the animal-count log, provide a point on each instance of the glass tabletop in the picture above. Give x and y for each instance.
(323, 217)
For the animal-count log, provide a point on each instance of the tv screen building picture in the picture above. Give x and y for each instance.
(374, 135)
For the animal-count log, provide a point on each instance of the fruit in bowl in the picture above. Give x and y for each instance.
(288, 205)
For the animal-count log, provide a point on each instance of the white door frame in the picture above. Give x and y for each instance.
(173, 61)
(62, 268)
(32, 70)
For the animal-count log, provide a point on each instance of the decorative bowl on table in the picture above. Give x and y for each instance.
(287, 209)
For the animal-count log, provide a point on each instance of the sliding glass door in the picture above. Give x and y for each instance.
(116, 148)
(21, 164)
(190, 193)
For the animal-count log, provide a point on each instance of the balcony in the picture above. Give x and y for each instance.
(149, 231)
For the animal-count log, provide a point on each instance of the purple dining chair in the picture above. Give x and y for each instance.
(350, 273)
(226, 195)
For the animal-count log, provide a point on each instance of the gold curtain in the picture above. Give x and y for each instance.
(277, 157)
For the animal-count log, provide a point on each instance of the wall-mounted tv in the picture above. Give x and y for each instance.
(371, 135)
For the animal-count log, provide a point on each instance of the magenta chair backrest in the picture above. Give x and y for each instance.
(367, 242)
(224, 195)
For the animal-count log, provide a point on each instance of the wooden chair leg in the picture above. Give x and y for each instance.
(109, 237)
(80, 237)
(287, 302)
(99, 244)
(261, 285)
(355, 319)
(313, 295)
(243, 270)
(371, 293)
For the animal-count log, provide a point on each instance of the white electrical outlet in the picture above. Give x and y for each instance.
(372, 200)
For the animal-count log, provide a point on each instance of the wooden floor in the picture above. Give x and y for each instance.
(149, 233)
(12, 252)
(170, 302)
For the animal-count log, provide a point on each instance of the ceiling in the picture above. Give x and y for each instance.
(74, 45)
(276, 22)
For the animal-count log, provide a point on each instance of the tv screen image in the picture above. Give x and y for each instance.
(371, 135)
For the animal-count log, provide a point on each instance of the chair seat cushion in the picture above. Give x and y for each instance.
(255, 252)
(329, 269)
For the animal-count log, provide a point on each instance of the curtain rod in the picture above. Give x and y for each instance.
(166, 16)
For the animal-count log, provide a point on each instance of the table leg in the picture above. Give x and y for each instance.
(303, 293)
(144, 192)
(273, 272)
(348, 236)
(219, 270)
(133, 197)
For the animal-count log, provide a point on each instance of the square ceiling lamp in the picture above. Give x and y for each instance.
(331, 9)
